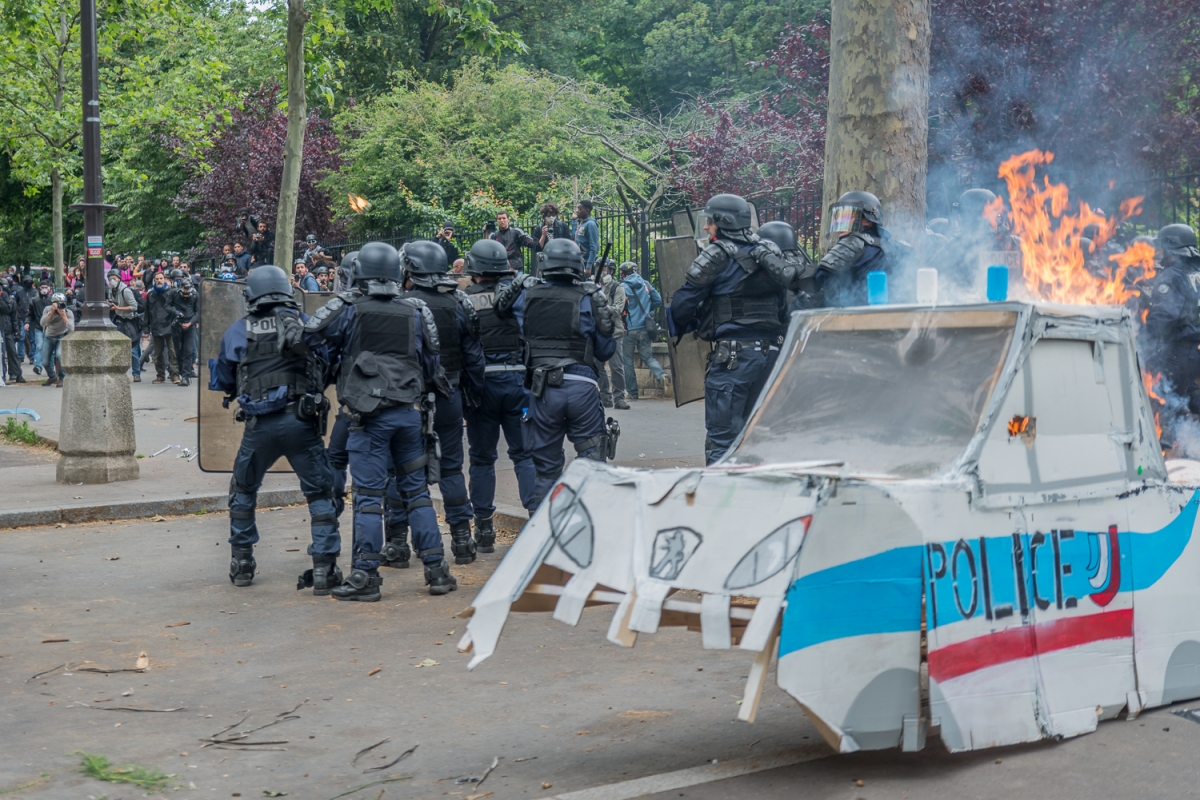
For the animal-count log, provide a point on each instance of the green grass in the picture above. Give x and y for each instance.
(20, 433)
(100, 768)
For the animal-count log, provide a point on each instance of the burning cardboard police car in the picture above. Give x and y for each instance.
(988, 477)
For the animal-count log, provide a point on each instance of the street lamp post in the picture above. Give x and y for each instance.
(96, 438)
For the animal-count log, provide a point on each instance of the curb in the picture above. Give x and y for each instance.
(177, 506)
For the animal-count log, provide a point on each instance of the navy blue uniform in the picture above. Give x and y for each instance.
(573, 409)
(747, 340)
(1173, 324)
(448, 424)
(272, 432)
(391, 435)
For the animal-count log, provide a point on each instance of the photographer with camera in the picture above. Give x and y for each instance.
(247, 224)
(551, 228)
(262, 245)
(445, 238)
(57, 321)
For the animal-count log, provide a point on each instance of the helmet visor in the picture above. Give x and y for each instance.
(844, 219)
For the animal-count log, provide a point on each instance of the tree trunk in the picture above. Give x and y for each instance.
(293, 149)
(876, 137)
(56, 225)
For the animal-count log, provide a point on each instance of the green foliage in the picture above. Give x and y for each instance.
(496, 138)
(20, 433)
(99, 767)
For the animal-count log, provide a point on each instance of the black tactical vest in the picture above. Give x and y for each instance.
(553, 336)
(501, 337)
(263, 368)
(444, 306)
(757, 302)
(381, 368)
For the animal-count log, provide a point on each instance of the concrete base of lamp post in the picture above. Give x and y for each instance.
(96, 439)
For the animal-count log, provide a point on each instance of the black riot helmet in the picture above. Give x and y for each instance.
(780, 233)
(970, 210)
(487, 257)
(1176, 241)
(267, 286)
(561, 257)
(424, 263)
(730, 213)
(376, 261)
(346, 268)
(854, 212)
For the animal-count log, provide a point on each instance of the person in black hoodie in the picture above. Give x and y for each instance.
(185, 302)
(10, 330)
(25, 293)
(33, 324)
(160, 317)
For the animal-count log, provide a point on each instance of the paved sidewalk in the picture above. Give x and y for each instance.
(654, 433)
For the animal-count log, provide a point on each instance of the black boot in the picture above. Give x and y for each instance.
(485, 535)
(241, 567)
(438, 578)
(323, 577)
(461, 543)
(362, 585)
(396, 551)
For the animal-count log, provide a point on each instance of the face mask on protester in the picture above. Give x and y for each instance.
(159, 288)
(606, 280)
(113, 282)
(45, 290)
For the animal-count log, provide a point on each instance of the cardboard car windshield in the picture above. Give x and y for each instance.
(989, 472)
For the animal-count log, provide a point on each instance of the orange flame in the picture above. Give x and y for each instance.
(1156, 402)
(1052, 258)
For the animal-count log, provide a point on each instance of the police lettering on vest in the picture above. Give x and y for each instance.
(501, 337)
(263, 368)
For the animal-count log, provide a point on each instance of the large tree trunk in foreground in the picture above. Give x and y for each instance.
(293, 149)
(877, 131)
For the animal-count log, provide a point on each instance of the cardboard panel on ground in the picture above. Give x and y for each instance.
(220, 435)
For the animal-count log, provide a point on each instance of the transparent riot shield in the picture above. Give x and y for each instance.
(689, 359)
(221, 305)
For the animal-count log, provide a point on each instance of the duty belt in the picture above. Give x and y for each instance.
(504, 368)
(765, 345)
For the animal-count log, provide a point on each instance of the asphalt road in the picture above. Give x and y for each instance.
(562, 709)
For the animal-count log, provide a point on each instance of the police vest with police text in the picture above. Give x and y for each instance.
(263, 368)
(501, 337)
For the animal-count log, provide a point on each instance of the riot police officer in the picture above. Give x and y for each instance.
(803, 285)
(979, 231)
(862, 246)
(424, 267)
(387, 349)
(563, 331)
(280, 399)
(503, 400)
(1173, 321)
(735, 296)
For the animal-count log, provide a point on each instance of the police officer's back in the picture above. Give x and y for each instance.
(735, 296)
(387, 349)
(503, 399)
(563, 331)
(424, 267)
(280, 399)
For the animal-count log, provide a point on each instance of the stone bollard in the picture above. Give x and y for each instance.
(96, 439)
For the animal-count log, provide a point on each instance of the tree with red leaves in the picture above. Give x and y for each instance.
(244, 166)
(1106, 86)
(773, 143)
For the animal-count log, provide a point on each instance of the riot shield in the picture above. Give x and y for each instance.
(689, 359)
(220, 435)
(221, 305)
